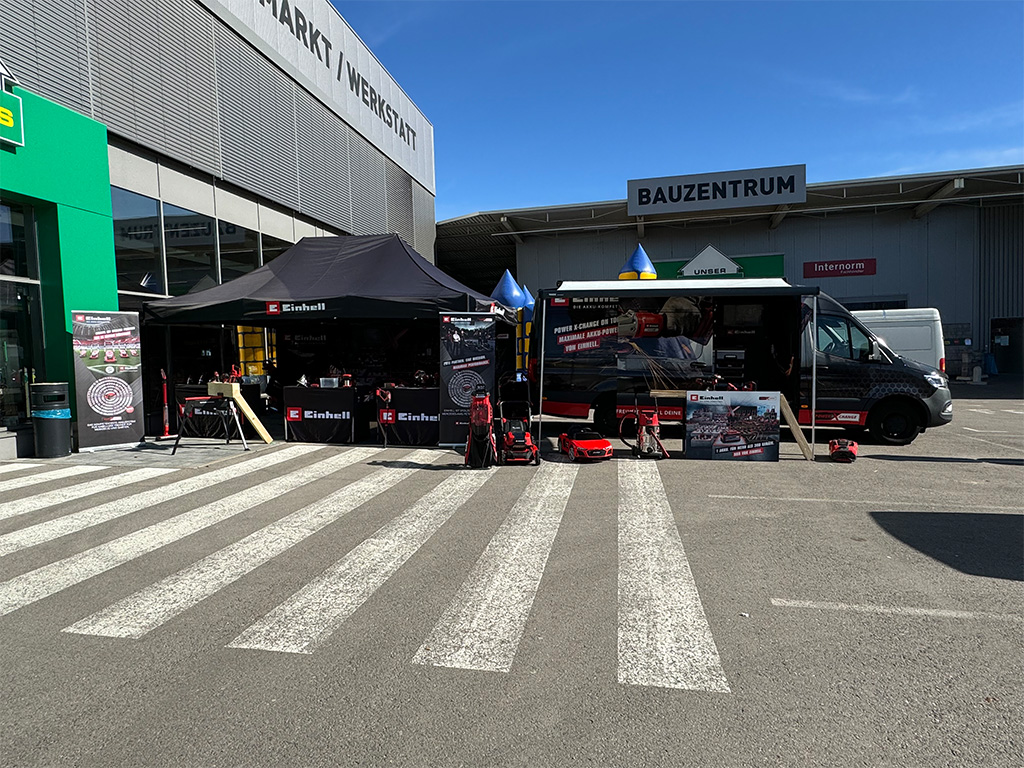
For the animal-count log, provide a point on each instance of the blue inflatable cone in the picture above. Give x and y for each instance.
(507, 292)
(528, 305)
(638, 267)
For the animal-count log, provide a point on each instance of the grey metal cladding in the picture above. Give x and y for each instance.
(398, 187)
(189, 99)
(323, 162)
(110, 60)
(424, 225)
(51, 65)
(369, 187)
(1001, 230)
(257, 116)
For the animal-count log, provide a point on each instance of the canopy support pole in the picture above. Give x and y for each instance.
(540, 393)
(814, 373)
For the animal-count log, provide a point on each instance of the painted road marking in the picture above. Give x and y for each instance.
(1000, 445)
(48, 580)
(482, 626)
(1018, 413)
(151, 607)
(664, 636)
(44, 477)
(15, 467)
(987, 431)
(981, 410)
(881, 504)
(88, 488)
(307, 619)
(936, 613)
(54, 529)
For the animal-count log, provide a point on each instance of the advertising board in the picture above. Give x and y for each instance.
(467, 363)
(108, 378)
(732, 426)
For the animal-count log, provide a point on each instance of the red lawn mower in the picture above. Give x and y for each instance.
(515, 443)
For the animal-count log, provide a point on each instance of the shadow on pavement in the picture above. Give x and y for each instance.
(949, 460)
(978, 544)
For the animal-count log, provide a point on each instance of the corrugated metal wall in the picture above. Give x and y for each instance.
(170, 76)
(1001, 273)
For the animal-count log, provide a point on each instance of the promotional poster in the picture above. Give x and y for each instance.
(733, 426)
(108, 378)
(467, 363)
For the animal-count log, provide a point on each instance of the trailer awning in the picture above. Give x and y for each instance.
(753, 286)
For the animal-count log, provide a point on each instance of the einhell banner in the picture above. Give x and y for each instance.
(319, 415)
(713, 191)
(732, 426)
(467, 363)
(108, 378)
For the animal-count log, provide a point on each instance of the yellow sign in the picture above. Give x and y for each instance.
(12, 127)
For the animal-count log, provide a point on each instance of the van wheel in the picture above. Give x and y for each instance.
(894, 424)
(604, 419)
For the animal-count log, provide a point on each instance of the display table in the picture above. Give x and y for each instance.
(416, 416)
(319, 414)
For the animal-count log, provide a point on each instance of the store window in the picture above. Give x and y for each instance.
(21, 338)
(239, 250)
(273, 247)
(137, 242)
(191, 242)
(17, 246)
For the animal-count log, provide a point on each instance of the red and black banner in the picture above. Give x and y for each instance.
(108, 378)
(467, 363)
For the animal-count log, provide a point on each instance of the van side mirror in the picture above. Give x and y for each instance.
(874, 352)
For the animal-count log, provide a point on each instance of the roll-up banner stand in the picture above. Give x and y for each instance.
(108, 379)
(467, 362)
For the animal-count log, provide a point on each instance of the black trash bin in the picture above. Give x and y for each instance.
(51, 417)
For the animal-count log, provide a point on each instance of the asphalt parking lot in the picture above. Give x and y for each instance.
(669, 613)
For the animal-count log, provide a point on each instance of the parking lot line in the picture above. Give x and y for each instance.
(1001, 445)
(936, 613)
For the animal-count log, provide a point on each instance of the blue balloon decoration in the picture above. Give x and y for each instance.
(507, 292)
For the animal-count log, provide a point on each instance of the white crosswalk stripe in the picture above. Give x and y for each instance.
(75, 470)
(62, 526)
(35, 585)
(88, 488)
(664, 636)
(146, 610)
(5, 468)
(313, 614)
(483, 625)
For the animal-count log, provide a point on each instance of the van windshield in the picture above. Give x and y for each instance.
(839, 337)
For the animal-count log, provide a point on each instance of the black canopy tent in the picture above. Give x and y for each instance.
(348, 277)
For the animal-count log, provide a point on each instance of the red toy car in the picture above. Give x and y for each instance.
(584, 443)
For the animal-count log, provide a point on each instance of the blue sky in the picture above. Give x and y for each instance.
(557, 102)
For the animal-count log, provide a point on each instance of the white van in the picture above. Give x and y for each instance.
(915, 334)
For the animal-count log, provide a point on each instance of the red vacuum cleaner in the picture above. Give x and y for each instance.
(648, 432)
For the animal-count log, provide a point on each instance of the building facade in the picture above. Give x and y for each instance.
(952, 240)
(171, 145)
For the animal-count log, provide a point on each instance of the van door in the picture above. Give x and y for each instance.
(844, 375)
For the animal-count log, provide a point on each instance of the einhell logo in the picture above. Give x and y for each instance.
(417, 417)
(559, 302)
(279, 307)
(79, 318)
(301, 414)
(694, 398)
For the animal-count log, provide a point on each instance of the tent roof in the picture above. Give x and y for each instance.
(750, 286)
(370, 276)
